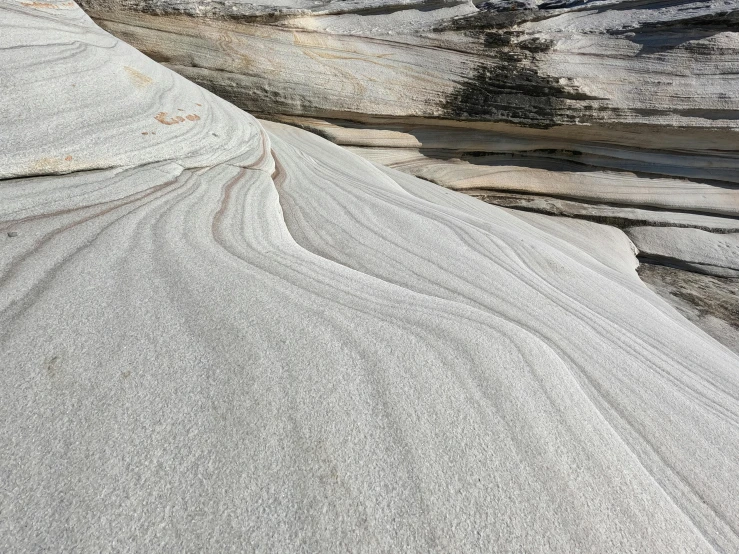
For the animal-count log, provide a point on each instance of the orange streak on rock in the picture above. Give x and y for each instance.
(49, 5)
(162, 117)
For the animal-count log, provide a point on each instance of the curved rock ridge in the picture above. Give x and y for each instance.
(76, 98)
(573, 176)
(271, 344)
(616, 94)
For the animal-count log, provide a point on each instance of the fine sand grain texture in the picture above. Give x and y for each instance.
(75, 98)
(244, 338)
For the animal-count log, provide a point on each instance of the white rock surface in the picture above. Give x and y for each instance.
(606, 244)
(86, 100)
(621, 103)
(325, 357)
(701, 251)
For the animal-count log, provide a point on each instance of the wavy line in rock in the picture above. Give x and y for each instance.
(182, 374)
(667, 366)
(440, 381)
(149, 113)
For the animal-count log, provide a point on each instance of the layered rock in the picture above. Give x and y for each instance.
(693, 249)
(610, 62)
(584, 109)
(221, 334)
(622, 73)
(104, 105)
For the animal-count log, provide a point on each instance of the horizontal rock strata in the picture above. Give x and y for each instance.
(622, 104)
(614, 70)
(604, 62)
(709, 253)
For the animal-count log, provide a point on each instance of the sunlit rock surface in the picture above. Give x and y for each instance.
(606, 61)
(233, 335)
(75, 98)
(709, 253)
(629, 87)
(616, 111)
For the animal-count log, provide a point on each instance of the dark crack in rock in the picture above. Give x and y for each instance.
(507, 5)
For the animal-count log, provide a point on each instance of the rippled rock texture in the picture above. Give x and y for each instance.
(564, 105)
(221, 334)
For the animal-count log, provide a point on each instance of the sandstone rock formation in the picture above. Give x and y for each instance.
(221, 334)
(610, 62)
(700, 251)
(643, 89)
(102, 104)
(585, 109)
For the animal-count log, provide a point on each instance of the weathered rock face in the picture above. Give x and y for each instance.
(692, 249)
(710, 302)
(220, 334)
(612, 62)
(615, 104)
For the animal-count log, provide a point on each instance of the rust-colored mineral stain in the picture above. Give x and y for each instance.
(162, 117)
(50, 165)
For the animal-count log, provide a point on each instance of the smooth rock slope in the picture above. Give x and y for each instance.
(233, 335)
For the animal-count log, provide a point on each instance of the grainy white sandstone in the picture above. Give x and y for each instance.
(76, 98)
(300, 351)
